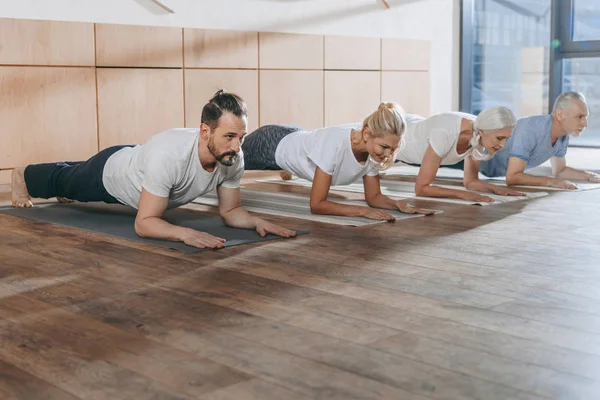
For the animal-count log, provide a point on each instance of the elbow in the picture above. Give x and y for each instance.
(316, 207)
(420, 190)
(371, 201)
(139, 227)
(511, 179)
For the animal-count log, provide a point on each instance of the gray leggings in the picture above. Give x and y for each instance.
(259, 146)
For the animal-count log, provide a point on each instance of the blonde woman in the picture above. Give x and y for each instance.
(332, 156)
(457, 140)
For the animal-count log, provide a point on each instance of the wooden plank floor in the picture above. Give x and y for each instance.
(488, 303)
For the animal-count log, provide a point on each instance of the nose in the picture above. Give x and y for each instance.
(236, 144)
(585, 122)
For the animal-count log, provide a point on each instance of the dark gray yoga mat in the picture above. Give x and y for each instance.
(117, 220)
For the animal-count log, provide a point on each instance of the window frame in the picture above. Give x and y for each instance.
(561, 33)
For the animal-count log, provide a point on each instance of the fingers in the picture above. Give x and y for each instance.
(204, 240)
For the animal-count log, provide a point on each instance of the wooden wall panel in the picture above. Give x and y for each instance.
(354, 53)
(409, 89)
(135, 104)
(290, 51)
(206, 48)
(48, 114)
(31, 42)
(351, 95)
(202, 84)
(291, 97)
(5, 176)
(405, 55)
(138, 46)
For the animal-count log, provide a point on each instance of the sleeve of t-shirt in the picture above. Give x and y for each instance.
(373, 172)
(325, 157)
(441, 142)
(234, 174)
(523, 142)
(160, 173)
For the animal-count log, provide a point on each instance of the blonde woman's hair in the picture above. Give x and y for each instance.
(388, 119)
(489, 120)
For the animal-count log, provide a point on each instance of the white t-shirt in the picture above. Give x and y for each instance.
(330, 149)
(441, 131)
(166, 166)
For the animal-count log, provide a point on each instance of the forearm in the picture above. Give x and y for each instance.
(157, 228)
(382, 201)
(331, 208)
(239, 218)
(436, 191)
(569, 173)
(477, 185)
(521, 178)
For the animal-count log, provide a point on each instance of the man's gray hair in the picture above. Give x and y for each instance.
(565, 98)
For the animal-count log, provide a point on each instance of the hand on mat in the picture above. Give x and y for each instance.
(471, 196)
(562, 184)
(592, 177)
(375, 213)
(202, 240)
(263, 227)
(410, 209)
(502, 191)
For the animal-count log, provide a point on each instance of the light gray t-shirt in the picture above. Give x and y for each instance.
(167, 165)
(330, 149)
(440, 131)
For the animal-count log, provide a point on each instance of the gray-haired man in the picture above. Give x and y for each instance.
(537, 139)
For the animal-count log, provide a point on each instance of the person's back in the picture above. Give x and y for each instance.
(167, 165)
(328, 148)
(439, 131)
(531, 142)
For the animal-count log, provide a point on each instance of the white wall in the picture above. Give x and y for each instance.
(434, 20)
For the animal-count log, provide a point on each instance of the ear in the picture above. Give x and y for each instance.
(204, 131)
(560, 114)
(366, 133)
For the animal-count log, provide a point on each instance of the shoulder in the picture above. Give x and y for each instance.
(533, 123)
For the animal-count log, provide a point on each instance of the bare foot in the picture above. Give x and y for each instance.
(64, 200)
(286, 176)
(19, 195)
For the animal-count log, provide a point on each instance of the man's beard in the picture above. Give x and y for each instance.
(221, 157)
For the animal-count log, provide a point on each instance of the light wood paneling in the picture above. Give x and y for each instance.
(291, 97)
(290, 51)
(343, 52)
(138, 46)
(220, 49)
(5, 176)
(48, 114)
(405, 55)
(134, 104)
(409, 89)
(29, 42)
(202, 84)
(350, 95)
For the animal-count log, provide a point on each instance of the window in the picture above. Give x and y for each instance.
(586, 21)
(522, 54)
(509, 48)
(583, 74)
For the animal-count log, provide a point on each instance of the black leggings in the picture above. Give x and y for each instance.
(79, 180)
(259, 146)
